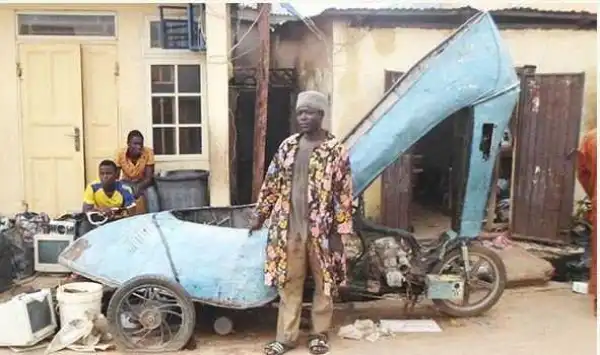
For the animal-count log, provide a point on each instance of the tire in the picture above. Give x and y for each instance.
(499, 269)
(188, 312)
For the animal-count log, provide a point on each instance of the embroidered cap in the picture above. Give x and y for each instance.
(312, 99)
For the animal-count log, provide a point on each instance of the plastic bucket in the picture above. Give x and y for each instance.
(77, 298)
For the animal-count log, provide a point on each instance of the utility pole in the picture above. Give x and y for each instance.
(262, 97)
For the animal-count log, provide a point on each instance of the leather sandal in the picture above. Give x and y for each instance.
(318, 344)
(276, 348)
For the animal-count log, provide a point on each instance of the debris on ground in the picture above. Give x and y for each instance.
(366, 329)
(25, 349)
(410, 326)
(580, 287)
(82, 335)
(571, 262)
(524, 268)
(500, 242)
(362, 329)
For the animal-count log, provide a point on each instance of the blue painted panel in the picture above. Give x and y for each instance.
(217, 265)
(470, 66)
(498, 112)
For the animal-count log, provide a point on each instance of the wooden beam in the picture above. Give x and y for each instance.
(521, 72)
(262, 97)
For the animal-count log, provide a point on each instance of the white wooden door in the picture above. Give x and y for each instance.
(51, 106)
(100, 105)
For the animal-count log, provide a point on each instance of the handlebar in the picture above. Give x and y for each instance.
(94, 217)
(98, 218)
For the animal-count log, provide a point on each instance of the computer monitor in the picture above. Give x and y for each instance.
(27, 319)
(47, 248)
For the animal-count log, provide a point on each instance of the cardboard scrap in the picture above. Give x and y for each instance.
(411, 326)
(82, 335)
(368, 330)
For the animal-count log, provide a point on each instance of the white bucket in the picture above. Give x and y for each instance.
(74, 299)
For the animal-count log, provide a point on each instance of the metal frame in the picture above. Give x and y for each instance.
(279, 77)
(158, 52)
(196, 40)
(67, 13)
(204, 156)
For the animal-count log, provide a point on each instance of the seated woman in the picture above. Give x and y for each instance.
(136, 168)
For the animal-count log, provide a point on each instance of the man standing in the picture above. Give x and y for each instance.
(586, 174)
(307, 199)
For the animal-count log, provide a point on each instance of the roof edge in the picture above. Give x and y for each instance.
(435, 17)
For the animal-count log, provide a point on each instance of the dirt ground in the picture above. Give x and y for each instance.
(545, 320)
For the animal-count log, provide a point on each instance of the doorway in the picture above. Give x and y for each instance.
(69, 109)
(282, 89)
(533, 187)
(546, 140)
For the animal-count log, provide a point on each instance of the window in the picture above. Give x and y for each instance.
(176, 109)
(178, 38)
(176, 35)
(66, 25)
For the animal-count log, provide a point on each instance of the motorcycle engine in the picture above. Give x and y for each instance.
(389, 261)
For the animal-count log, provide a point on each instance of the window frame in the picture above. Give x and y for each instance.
(113, 14)
(151, 51)
(203, 108)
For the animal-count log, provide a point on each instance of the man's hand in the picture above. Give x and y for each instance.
(255, 224)
(109, 213)
(136, 192)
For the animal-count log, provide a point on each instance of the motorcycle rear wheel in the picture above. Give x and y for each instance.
(496, 287)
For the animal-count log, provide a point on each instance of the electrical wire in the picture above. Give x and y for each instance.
(239, 42)
(260, 13)
(239, 55)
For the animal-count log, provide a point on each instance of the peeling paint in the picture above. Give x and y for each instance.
(73, 253)
(536, 104)
(384, 42)
(536, 175)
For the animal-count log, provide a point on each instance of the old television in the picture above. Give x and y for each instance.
(27, 319)
(47, 248)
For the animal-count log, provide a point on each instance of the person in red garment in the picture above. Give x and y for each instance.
(586, 174)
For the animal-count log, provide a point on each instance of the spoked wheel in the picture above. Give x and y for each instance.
(151, 314)
(484, 287)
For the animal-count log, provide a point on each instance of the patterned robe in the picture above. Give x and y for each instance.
(329, 208)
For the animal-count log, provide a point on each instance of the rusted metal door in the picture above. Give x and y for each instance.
(396, 184)
(547, 134)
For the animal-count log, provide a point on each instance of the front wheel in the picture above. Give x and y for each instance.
(487, 275)
(151, 313)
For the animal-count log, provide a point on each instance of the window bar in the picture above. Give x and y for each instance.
(176, 106)
(195, 36)
(163, 143)
(162, 130)
(163, 28)
(191, 45)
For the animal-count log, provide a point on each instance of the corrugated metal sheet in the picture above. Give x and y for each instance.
(408, 8)
(276, 8)
(445, 10)
(313, 9)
